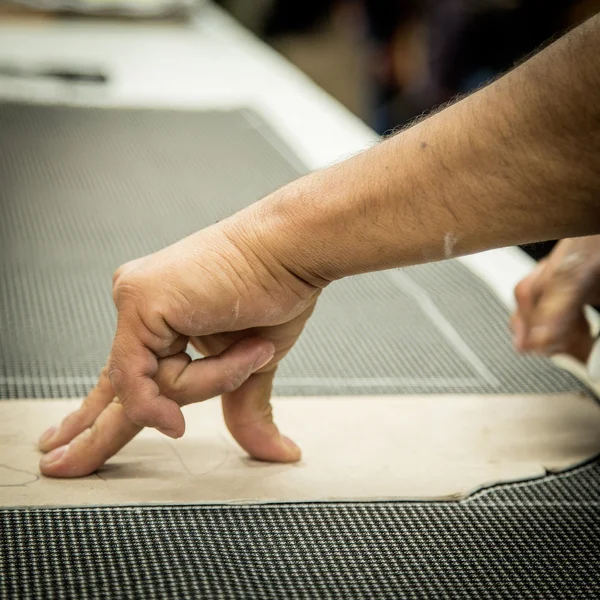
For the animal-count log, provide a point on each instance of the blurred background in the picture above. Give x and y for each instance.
(389, 61)
(386, 61)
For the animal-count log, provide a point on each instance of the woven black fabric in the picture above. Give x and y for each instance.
(578, 487)
(518, 542)
(83, 190)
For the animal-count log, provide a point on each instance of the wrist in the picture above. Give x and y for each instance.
(289, 228)
(266, 236)
(346, 219)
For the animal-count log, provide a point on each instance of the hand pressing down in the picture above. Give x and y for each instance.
(220, 290)
(550, 317)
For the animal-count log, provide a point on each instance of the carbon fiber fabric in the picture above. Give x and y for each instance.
(518, 542)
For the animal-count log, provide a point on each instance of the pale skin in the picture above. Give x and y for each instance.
(516, 162)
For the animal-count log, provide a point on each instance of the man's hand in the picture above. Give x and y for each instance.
(550, 316)
(219, 290)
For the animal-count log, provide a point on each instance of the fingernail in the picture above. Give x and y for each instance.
(54, 456)
(169, 432)
(263, 359)
(47, 435)
(290, 443)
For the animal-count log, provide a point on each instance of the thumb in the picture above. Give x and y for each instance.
(249, 417)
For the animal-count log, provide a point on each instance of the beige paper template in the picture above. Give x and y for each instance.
(361, 448)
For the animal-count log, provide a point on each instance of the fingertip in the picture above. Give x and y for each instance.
(173, 421)
(172, 433)
(263, 358)
(89, 450)
(159, 412)
(52, 464)
(54, 456)
(256, 352)
(263, 441)
(44, 441)
(253, 344)
(279, 449)
(294, 452)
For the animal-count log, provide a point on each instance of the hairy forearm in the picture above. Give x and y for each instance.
(516, 162)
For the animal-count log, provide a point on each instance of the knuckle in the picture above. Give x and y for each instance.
(127, 285)
(105, 373)
(117, 275)
(266, 412)
(523, 291)
(125, 268)
(117, 281)
(169, 375)
(103, 384)
(170, 388)
(136, 413)
(92, 434)
(73, 420)
(86, 405)
(116, 377)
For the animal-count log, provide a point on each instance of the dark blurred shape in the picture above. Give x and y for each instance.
(66, 74)
(421, 53)
(463, 44)
(288, 16)
(539, 250)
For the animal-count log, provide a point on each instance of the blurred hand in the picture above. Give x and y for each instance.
(219, 290)
(550, 317)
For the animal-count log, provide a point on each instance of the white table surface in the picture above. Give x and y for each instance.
(210, 62)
